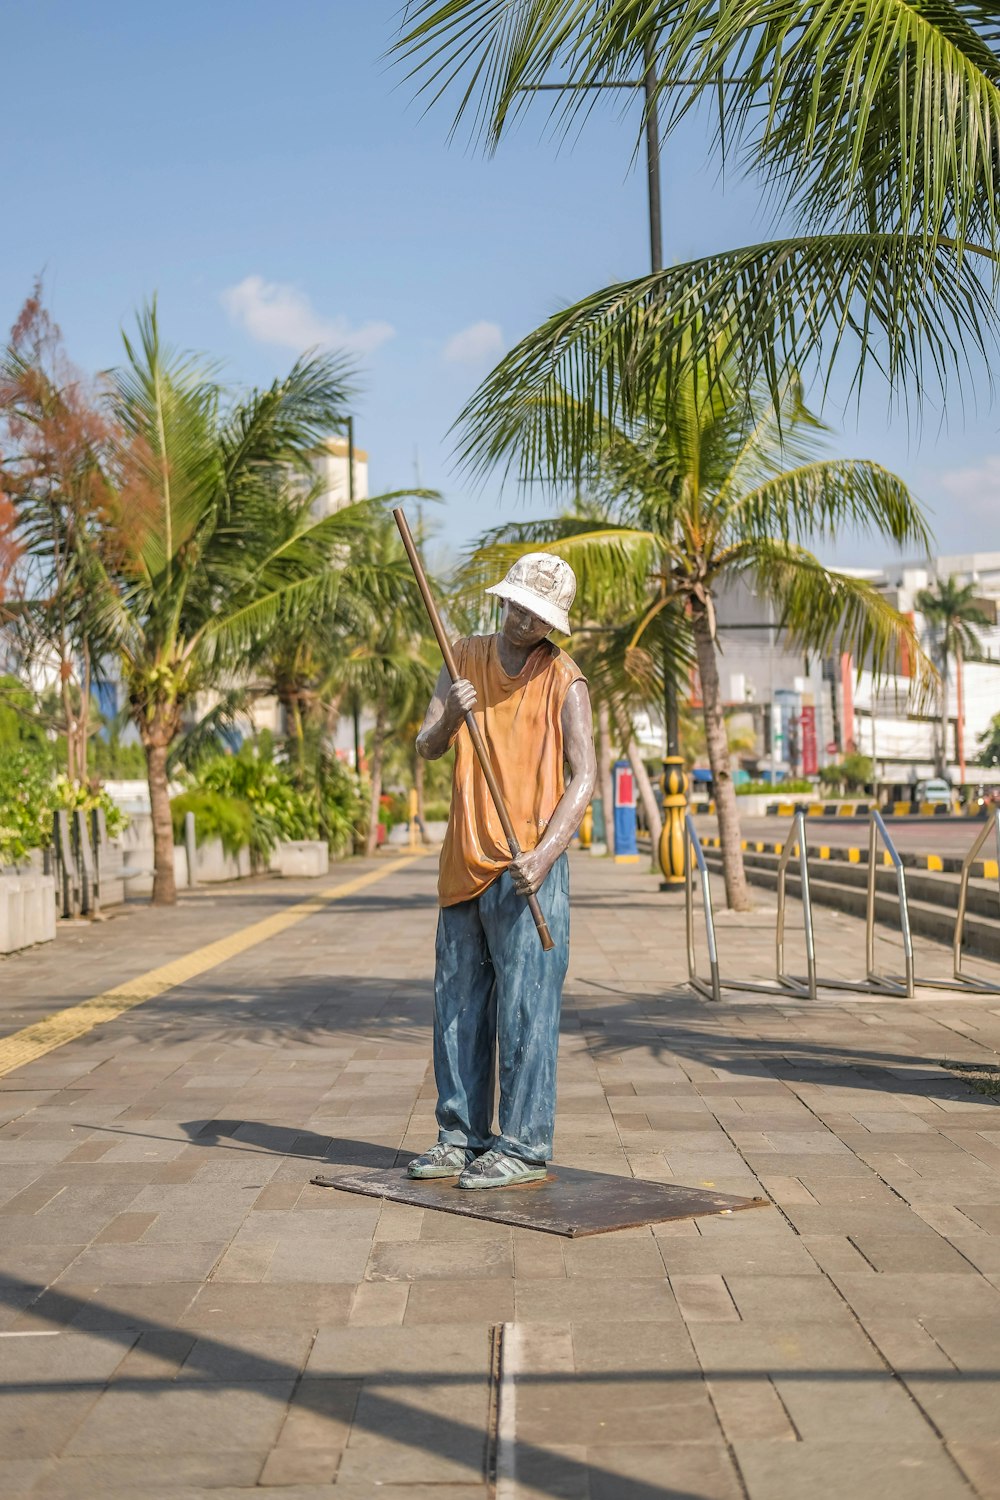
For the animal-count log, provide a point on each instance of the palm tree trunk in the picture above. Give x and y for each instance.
(66, 695)
(85, 686)
(943, 768)
(164, 888)
(737, 893)
(378, 755)
(604, 773)
(960, 723)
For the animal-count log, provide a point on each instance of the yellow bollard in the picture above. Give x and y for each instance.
(587, 828)
(674, 782)
(414, 830)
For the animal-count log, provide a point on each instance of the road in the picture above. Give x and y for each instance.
(947, 836)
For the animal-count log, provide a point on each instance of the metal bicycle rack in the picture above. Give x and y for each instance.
(711, 989)
(961, 980)
(788, 981)
(785, 985)
(874, 983)
(884, 983)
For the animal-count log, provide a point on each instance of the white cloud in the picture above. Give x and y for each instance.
(275, 312)
(475, 344)
(977, 488)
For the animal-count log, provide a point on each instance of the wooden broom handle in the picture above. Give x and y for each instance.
(475, 734)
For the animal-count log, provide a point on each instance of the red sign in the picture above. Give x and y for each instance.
(624, 787)
(807, 725)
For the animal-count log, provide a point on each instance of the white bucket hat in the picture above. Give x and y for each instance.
(543, 584)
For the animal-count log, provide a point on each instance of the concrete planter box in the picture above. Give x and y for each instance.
(27, 911)
(301, 859)
(399, 834)
(212, 864)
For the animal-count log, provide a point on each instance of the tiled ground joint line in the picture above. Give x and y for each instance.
(66, 1025)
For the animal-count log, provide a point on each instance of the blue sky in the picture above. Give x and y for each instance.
(270, 177)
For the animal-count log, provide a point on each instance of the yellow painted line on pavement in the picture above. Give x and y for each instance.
(66, 1025)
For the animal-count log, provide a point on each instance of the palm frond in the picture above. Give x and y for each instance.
(873, 113)
(820, 500)
(171, 473)
(827, 611)
(760, 316)
(613, 566)
(286, 423)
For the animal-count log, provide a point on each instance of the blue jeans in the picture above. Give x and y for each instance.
(494, 988)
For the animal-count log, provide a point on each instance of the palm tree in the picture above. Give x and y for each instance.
(217, 542)
(701, 494)
(871, 125)
(303, 661)
(54, 445)
(951, 610)
(393, 664)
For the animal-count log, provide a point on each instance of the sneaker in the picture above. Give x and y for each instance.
(495, 1169)
(441, 1160)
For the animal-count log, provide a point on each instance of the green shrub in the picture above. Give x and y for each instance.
(276, 802)
(73, 794)
(852, 774)
(437, 812)
(278, 809)
(216, 816)
(29, 796)
(27, 802)
(341, 808)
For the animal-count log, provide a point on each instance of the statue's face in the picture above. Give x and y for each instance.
(521, 627)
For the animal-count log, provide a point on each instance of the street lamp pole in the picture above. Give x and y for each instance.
(672, 851)
(675, 780)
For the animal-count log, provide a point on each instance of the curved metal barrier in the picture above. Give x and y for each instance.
(886, 983)
(711, 988)
(874, 981)
(788, 981)
(785, 984)
(959, 979)
(981, 986)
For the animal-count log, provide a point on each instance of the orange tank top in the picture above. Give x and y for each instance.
(521, 721)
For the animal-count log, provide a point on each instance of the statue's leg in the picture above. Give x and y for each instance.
(464, 1027)
(529, 996)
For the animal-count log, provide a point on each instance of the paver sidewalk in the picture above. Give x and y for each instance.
(184, 1315)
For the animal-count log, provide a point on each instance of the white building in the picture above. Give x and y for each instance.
(807, 710)
(331, 466)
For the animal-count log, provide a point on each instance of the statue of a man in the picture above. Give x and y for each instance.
(495, 989)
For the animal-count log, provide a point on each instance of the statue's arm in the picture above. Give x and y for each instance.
(445, 715)
(531, 868)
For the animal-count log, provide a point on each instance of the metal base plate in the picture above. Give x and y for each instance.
(568, 1201)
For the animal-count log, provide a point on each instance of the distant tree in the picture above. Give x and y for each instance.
(989, 744)
(951, 610)
(57, 510)
(209, 565)
(711, 486)
(20, 722)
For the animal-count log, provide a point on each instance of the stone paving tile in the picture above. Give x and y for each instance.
(154, 1176)
(849, 1470)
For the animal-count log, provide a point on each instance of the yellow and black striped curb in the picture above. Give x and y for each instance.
(66, 1025)
(948, 864)
(851, 809)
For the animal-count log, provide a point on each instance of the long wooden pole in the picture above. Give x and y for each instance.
(478, 744)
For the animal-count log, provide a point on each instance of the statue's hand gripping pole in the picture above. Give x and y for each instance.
(475, 735)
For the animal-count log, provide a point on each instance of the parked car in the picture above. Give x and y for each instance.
(935, 789)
